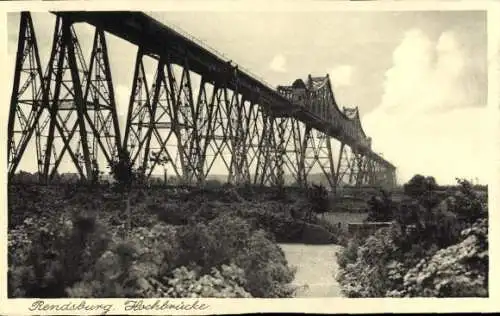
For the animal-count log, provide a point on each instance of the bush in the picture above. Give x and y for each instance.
(317, 235)
(466, 203)
(417, 225)
(419, 186)
(460, 270)
(424, 253)
(367, 275)
(214, 251)
(99, 257)
(274, 218)
(381, 208)
(55, 257)
(349, 253)
(115, 274)
(229, 239)
(170, 213)
(283, 228)
(226, 282)
(318, 199)
(266, 268)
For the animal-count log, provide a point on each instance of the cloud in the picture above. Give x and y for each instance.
(341, 75)
(426, 122)
(278, 63)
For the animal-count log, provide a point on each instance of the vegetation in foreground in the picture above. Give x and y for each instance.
(79, 248)
(131, 241)
(437, 245)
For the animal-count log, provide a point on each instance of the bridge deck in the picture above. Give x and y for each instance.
(159, 41)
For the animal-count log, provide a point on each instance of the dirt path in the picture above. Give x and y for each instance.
(316, 266)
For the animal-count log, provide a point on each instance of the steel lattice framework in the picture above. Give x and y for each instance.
(197, 110)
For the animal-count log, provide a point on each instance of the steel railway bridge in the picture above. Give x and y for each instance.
(259, 133)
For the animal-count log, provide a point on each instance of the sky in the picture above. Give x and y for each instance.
(419, 79)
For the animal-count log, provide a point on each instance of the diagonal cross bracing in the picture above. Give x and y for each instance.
(73, 109)
(200, 113)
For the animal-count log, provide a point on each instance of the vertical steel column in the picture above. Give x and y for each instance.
(239, 142)
(220, 134)
(69, 41)
(249, 132)
(26, 106)
(178, 120)
(265, 156)
(65, 102)
(199, 127)
(290, 138)
(317, 151)
(100, 101)
(188, 131)
(302, 159)
(343, 164)
(140, 115)
(332, 176)
(271, 170)
(208, 131)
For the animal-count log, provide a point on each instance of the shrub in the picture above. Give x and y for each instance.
(58, 256)
(158, 245)
(170, 213)
(115, 274)
(266, 268)
(98, 257)
(349, 254)
(229, 239)
(124, 173)
(367, 275)
(381, 208)
(423, 254)
(419, 186)
(283, 228)
(460, 270)
(416, 225)
(466, 203)
(274, 218)
(317, 235)
(319, 203)
(226, 282)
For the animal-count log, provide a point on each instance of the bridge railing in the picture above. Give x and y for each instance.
(218, 53)
(225, 58)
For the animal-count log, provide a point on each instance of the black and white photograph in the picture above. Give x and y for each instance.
(247, 154)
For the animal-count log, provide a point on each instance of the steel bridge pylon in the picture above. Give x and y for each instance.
(192, 123)
(70, 110)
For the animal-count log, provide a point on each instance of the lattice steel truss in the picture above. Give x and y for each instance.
(184, 120)
(73, 108)
(27, 113)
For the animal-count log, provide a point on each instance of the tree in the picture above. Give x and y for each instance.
(318, 199)
(467, 203)
(96, 174)
(422, 189)
(125, 176)
(122, 171)
(420, 185)
(381, 208)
